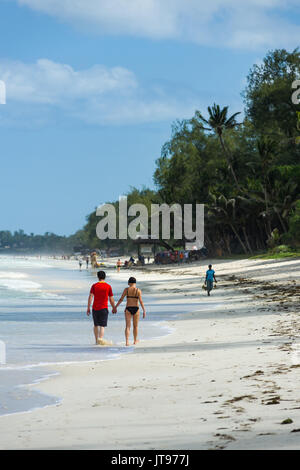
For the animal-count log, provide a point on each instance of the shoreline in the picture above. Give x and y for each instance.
(203, 386)
(42, 368)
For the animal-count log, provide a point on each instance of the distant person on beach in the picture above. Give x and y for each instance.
(87, 262)
(80, 264)
(132, 310)
(119, 264)
(101, 292)
(209, 279)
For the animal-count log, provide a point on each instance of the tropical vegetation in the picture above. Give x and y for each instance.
(244, 166)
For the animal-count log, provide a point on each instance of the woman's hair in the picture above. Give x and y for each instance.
(132, 280)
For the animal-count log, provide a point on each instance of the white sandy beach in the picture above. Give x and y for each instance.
(227, 377)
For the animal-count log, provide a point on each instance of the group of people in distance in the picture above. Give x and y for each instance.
(80, 261)
(101, 292)
(131, 262)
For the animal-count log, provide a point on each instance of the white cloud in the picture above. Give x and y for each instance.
(135, 111)
(98, 95)
(231, 23)
(53, 83)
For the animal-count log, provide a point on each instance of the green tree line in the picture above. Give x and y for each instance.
(245, 168)
(246, 171)
(19, 241)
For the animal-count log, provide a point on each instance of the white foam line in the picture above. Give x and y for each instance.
(59, 400)
(43, 378)
(46, 377)
(12, 275)
(38, 381)
(45, 364)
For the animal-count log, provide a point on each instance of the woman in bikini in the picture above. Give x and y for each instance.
(132, 310)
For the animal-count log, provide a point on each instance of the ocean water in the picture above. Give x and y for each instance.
(43, 321)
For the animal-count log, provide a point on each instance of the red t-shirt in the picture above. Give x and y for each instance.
(101, 292)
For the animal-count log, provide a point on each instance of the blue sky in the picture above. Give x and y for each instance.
(93, 87)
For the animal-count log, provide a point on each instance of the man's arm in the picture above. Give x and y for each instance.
(89, 304)
(112, 303)
(215, 278)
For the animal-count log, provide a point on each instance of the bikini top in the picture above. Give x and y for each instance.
(132, 296)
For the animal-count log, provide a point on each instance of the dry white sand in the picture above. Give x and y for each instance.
(228, 377)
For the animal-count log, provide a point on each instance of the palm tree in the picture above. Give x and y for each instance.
(285, 199)
(224, 211)
(218, 122)
(266, 149)
(278, 195)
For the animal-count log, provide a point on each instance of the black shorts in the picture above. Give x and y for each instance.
(100, 317)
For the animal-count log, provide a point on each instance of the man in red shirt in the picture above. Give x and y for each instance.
(101, 292)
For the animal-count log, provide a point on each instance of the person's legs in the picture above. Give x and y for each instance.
(96, 333)
(128, 326)
(135, 319)
(209, 287)
(99, 317)
(101, 332)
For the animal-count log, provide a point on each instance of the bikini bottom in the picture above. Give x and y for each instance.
(132, 310)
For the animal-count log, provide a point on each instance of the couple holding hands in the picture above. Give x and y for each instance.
(101, 292)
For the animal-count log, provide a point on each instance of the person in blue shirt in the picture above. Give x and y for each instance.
(210, 278)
